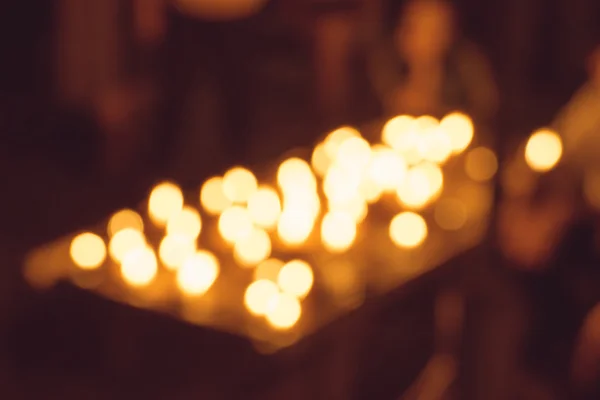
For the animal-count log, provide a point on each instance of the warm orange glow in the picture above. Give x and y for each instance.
(187, 222)
(239, 184)
(125, 241)
(459, 129)
(591, 188)
(336, 138)
(125, 219)
(320, 161)
(295, 174)
(296, 278)
(166, 199)
(408, 230)
(88, 251)
(543, 150)
(295, 226)
(139, 266)
(175, 249)
(198, 273)
(481, 164)
(450, 214)
(268, 269)
(283, 311)
(341, 185)
(234, 224)
(387, 169)
(395, 130)
(212, 196)
(437, 146)
(264, 207)
(354, 154)
(253, 248)
(357, 208)
(259, 295)
(416, 190)
(338, 231)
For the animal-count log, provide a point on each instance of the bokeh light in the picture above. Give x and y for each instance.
(334, 140)
(295, 174)
(338, 231)
(187, 222)
(198, 273)
(239, 184)
(357, 208)
(234, 223)
(259, 295)
(416, 190)
(253, 248)
(212, 196)
(175, 249)
(264, 207)
(268, 269)
(139, 266)
(124, 219)
(543, 150)
(283, 311)
(296, 278)
(320, 161)
(459, 129)
(166, 199)
(481, 164)
(450, 214)
(408, 230)
(125, 241)
(88, 251)
(395, 130)
(341, 185)
(437, 146)
(295, 226)
(354, 154)
(387, 169)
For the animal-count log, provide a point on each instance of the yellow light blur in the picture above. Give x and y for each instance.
(354, 153)
(481, 164)
(212, 196)
(336, 138)
(387, 169)
(338, 231)
(139, 266)
(450, 214)
(434, 175)
(543, 150)
(187, 222)
(408, 230)
(304, 201)
(421, 185)
(357, 208)
(395, 129)
(369, 190)
(239, 184)
(296, 278)
(125, 219)
(88, 251)
(437, 146)
(341, 185)
(268, 269)
(175, 249)
(459, 129)
(295, 226)
(125, 241)
(295, 174)
(264, 207)
(283, 311)
(319, 160)
(198, 273)
(259, 295)
(165, 200)
(234, 223)
(252, 248)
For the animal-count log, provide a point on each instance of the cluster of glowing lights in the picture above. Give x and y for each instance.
(543, 150)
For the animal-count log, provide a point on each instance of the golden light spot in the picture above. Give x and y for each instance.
(166, 199)
(295, 226)
(175, 249)
(357, 208)
(212, 196)
(252, 248)
(259, 295)
(125, 219)
(354, 154)
(187, 222)
(408, 230)
(543, 150)
(124, 241)
(264, 207)
(268, 269)
(394, 131)
(437, 146)
(387, 169)
(139, 266)
(341, 185)
(319, 160)
(450, 214)
(295, 174)
(283, 311)
(338, 231)
(336, 138)
(198, 273)
(296, 278)
(481, 164)
(459, 129)
(234, 223)
(88, 251)
(239, 184)
(418, 188)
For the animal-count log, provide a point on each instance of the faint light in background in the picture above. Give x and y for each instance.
(125, 219)
(543, 150)
(268, 269)
(459, 129)
(124, 241)
(295, 174)
(283, 311)
(264, 207)
(239, 184)
(88, 251)
(408, 230)
(139, 266)
(450, 214)
(319, 160)
(336, 138)
(338, 231)
(212, 196)
(258, 295)
(198, 273)
(234, 223)
(165, 200)
(481, 164)
(187, 222)
(175, 249)
(591, 188)
(253, 248)
(296, 278)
